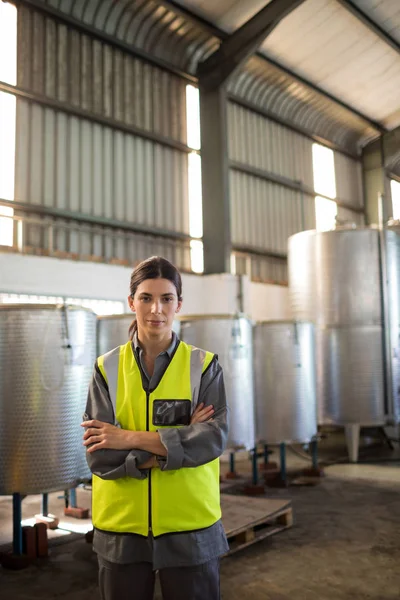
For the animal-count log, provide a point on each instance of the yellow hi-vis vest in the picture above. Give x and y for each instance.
(179, 500)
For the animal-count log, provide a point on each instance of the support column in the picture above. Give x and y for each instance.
(215, 180)
(376, 183)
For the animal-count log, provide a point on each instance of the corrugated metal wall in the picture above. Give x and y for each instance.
(73, 162)
(272, 190)
(264, 214)
(266, 145)
(270, 164)
(69, 66)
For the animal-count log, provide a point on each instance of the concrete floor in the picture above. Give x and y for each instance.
(344, 545)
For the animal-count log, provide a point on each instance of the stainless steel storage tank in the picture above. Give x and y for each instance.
(285, 381)
(343, 273)
(230, 337)
(112, 331)
(47, 354)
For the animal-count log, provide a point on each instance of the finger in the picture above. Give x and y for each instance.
(92, 423)
(206, 411)
(201, 418)
(95, 447)
(93, 440)
(89, 432)
(198, 407)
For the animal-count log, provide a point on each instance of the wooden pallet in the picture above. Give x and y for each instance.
(248, 520)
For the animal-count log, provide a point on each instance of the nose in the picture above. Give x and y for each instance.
(156, 307)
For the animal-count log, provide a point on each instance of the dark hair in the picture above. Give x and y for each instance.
(154, 267)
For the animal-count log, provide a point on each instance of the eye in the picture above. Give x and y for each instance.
(168, 299)
(145, 299)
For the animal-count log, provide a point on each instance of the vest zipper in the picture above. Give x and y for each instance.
(149, 477)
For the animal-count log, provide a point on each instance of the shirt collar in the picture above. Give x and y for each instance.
(169, 350)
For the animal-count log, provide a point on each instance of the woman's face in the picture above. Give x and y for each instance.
(155, 304)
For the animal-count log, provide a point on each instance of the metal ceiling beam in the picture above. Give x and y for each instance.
(215, 181)
(219, 33)
(213, 74)
(243, 43)
(370, 24)
(203, 23)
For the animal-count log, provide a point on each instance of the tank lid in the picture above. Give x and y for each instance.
(116, 317)
(230, 316)
(285, 322)
(338, 229)
(55, 307)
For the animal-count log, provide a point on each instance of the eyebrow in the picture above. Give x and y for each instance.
(162, 295)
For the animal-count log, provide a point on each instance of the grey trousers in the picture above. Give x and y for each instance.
(136, 581)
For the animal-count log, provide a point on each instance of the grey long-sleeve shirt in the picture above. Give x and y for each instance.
(188, 446)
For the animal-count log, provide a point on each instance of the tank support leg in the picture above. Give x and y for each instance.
(282, 450)
(314, 454)
(232, 469)
(17, 527)
(254, 467)
(352, 432)
(315, 470)
(72, 497)
(254, 488)
(45, 505)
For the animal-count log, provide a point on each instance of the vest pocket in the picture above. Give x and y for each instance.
(171, 412)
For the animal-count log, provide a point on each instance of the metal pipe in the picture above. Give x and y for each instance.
(314, 454)
(255, 467)
(45, 505)
(282, 450)
(266, 455)
(232, 462)
(72, 498)
(386, 333)
(17, 527)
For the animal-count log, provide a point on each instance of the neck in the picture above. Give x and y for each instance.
(152, 345)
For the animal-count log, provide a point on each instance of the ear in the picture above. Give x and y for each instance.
(178, 308)
(131, 303)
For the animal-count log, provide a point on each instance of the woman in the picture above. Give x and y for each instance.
(156, 424)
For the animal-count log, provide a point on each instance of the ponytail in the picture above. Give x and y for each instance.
(132, 329)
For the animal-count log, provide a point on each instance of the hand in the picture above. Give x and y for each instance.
(149, 464)
(99, 436)
(202, 414)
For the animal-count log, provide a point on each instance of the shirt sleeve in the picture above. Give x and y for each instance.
(110, 464)
(198, 444)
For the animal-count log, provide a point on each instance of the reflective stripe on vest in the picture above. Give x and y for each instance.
(185, 499)
(108, 365)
